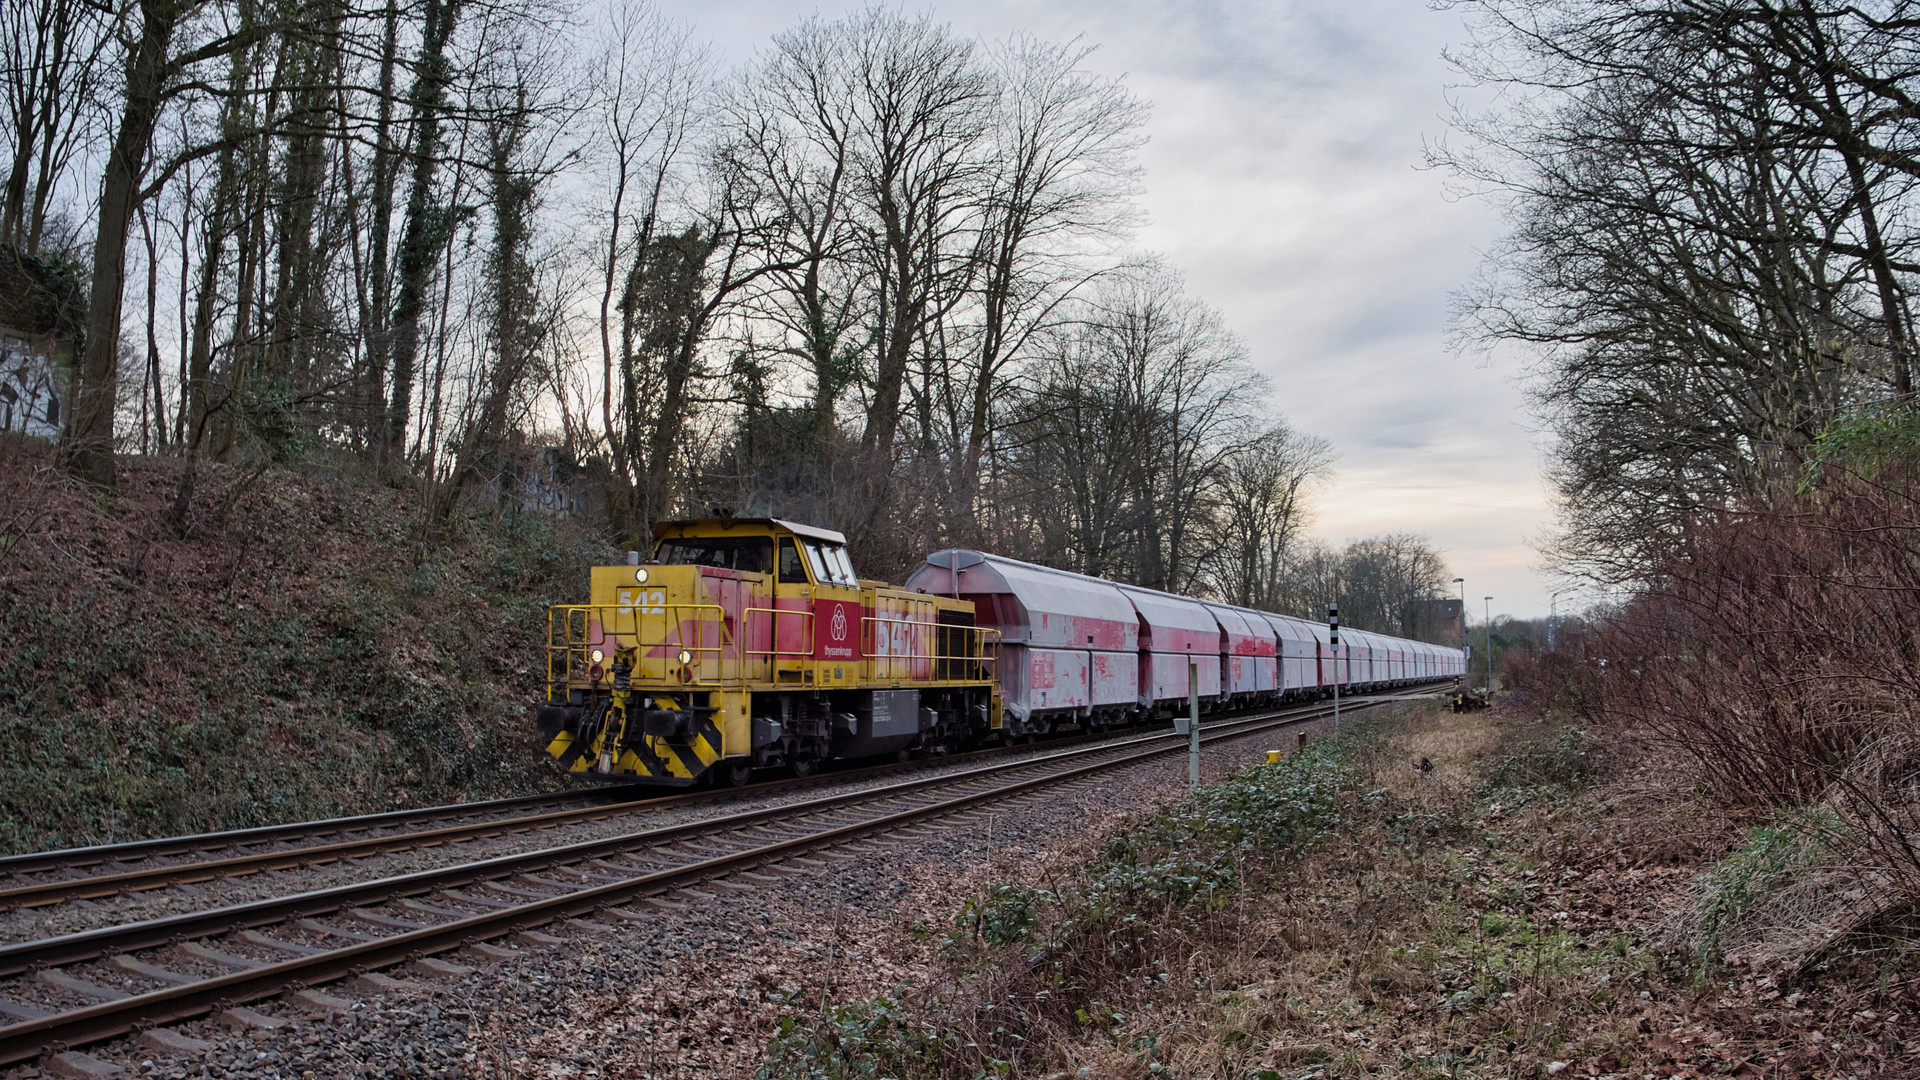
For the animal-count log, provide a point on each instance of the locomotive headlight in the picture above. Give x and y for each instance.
(597, 656)
(640, 575)
(686, 657)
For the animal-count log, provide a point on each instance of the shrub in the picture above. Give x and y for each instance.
(1032, 960)
(1776, 662)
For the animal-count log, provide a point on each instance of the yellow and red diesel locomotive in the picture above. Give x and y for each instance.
(749, 643)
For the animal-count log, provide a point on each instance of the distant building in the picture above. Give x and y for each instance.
(35, 357)
(1439, 620)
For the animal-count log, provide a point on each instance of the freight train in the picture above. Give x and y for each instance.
(748, 644)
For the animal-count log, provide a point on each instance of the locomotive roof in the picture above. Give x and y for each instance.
(811, 532)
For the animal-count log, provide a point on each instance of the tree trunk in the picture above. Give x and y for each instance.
(510, 281)
(379, 226)
(91, 437)
(288, 348)
(418, 242)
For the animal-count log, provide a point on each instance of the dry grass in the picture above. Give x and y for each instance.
(1508, 912)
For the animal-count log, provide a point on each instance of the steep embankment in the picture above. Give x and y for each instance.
(300, 652)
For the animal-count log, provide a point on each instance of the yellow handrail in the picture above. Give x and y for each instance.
(885, 664)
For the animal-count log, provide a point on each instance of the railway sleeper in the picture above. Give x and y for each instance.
(477, 901)
(169, 1041)
(143, 969)
(428, 909)
(60, 980)
(255, 937)
(390, 921)
(215, 956)
(20, 1010)
(319, 927)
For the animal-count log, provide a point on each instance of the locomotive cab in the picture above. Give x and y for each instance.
(748, 643)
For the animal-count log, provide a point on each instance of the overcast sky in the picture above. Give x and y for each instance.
(1282, 177)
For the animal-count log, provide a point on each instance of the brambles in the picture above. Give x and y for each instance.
(873, 1038)
(1773, 668)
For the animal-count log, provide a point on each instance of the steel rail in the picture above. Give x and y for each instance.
(33, 1038)
(627, 796)
(93, 944)
(63, 858)
(622, 799)
(619, 798)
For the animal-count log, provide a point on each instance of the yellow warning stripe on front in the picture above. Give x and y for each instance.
(708, 755)
(561, 744)
(685, 762)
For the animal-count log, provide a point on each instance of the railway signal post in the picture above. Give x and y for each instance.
(1333, 638)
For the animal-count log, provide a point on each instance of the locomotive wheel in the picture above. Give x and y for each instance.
(739, 774)
(804, 767)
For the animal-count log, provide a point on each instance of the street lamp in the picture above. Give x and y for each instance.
(1462, 582)
(1553, 619)
(1489, 645)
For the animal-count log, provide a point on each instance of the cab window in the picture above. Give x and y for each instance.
(750, 554)
(831, 565)
(792, 570)
(839, 556)
(819, 564)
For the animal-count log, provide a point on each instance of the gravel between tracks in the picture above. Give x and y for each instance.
(694, 993)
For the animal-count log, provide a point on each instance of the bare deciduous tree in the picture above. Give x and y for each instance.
(51, 57)
(1263, 498)
(1711, 242)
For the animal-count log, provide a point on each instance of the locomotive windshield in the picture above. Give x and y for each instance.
(752, 554)
(831, 565)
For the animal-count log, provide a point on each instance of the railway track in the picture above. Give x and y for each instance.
(85, 987)
(18, 869)
(52, 877)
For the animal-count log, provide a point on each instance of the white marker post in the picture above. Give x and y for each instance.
(1333, 629)
(1193, 725)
